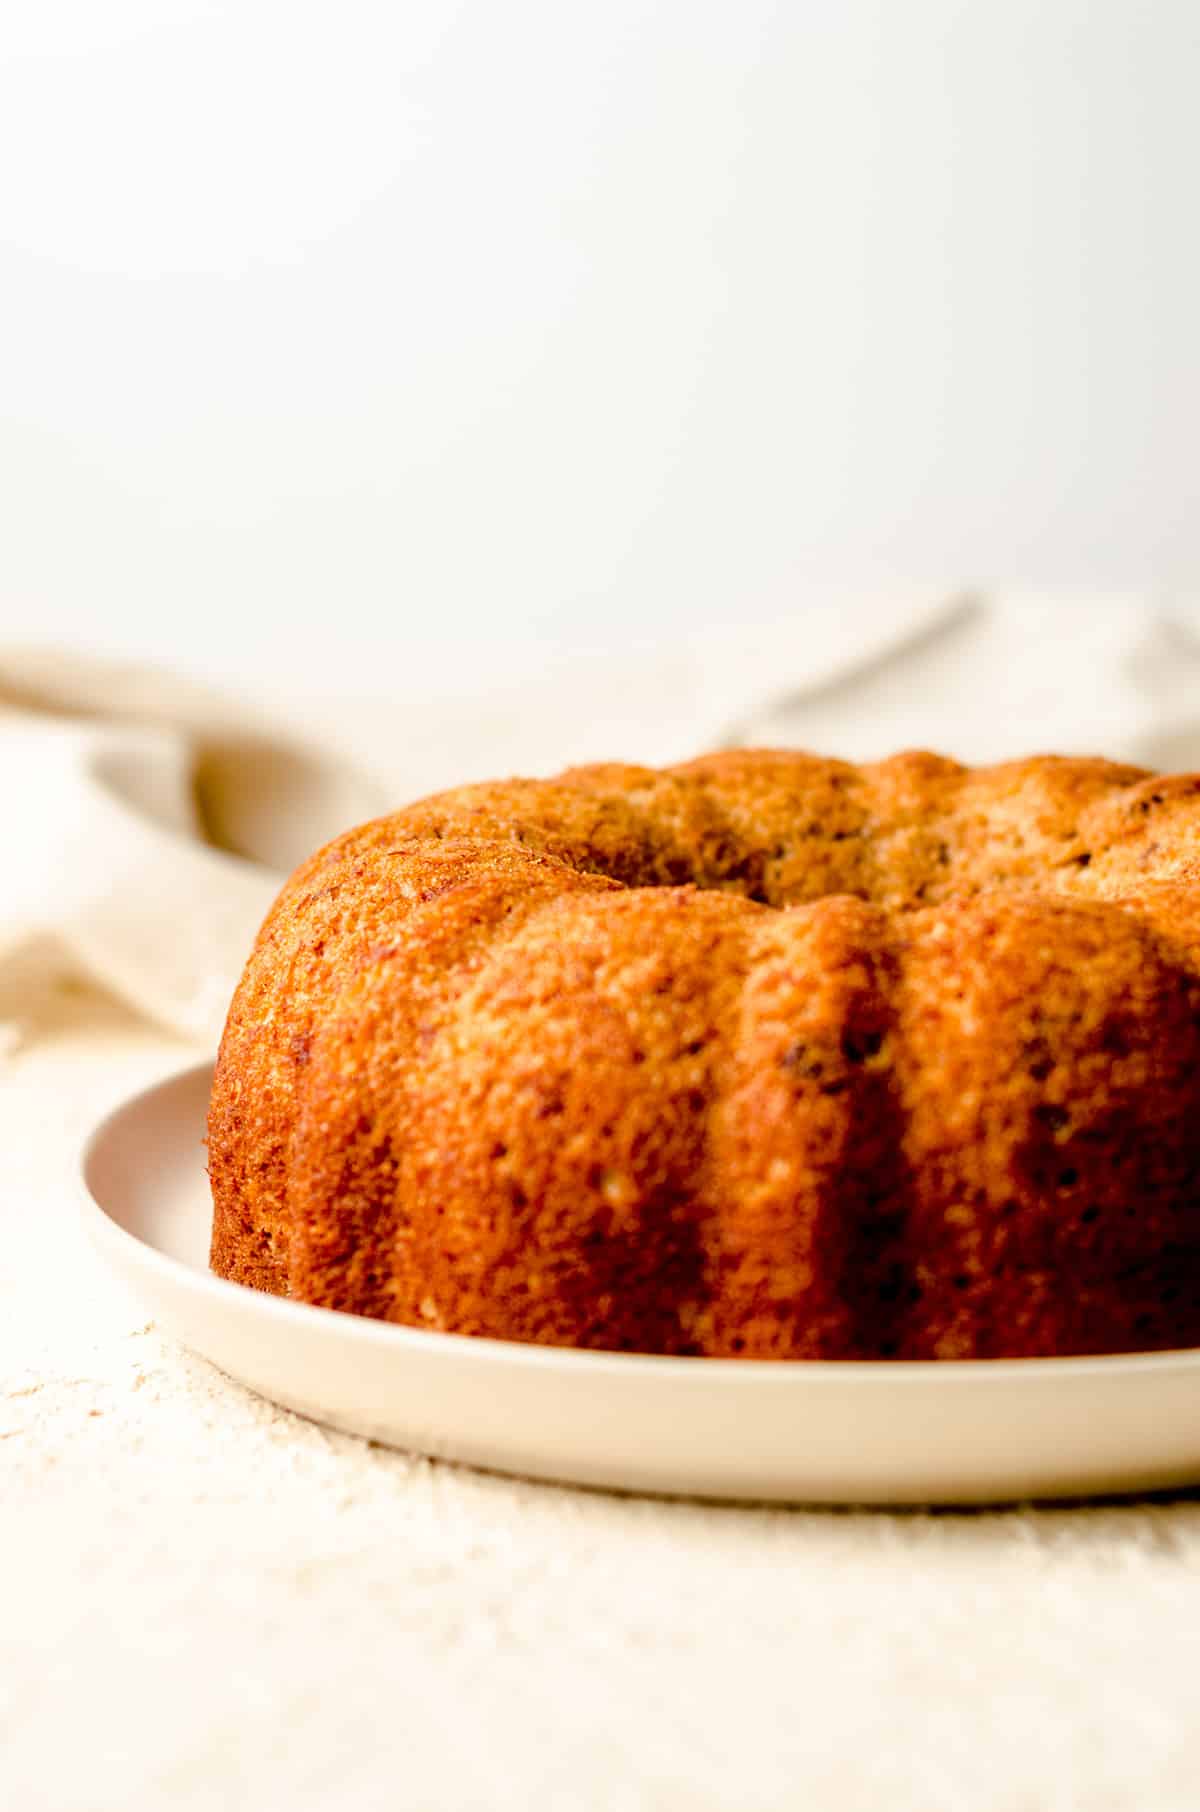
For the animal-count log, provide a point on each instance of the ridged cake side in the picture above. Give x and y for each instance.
(546, 1061)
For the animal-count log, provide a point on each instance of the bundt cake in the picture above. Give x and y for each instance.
(763, 1055)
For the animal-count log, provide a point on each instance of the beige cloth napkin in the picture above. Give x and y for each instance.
(149, 825)
(151, 820)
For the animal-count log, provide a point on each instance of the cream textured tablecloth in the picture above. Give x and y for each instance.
(208, 1603)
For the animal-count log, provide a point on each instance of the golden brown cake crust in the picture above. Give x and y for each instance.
(762, 1055)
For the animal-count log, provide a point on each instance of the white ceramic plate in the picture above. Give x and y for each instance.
(891, 1433)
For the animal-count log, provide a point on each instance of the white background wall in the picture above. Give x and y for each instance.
(461, 332)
